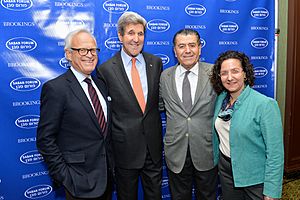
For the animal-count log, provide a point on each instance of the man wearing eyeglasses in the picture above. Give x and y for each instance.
(73, 134)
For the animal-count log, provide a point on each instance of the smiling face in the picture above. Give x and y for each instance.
(187, 50)
(83, 64)
(133, 39)
(232, 76)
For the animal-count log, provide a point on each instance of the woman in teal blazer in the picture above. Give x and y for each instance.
(249, 128)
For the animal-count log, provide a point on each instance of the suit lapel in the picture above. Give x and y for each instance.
(150, 79)
(172, 87)
(202, 82)
(81, 96)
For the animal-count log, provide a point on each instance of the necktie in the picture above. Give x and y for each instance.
(97, 106)
(137, 86)
(186, 92)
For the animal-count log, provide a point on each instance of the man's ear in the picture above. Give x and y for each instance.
(68, 55)
(120, 37)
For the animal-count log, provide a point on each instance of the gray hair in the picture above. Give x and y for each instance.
(187, 32)
(70, 36)
(130, 18)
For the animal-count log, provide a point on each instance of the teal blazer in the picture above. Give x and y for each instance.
(256, 141)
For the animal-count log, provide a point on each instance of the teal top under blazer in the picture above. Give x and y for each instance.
(256, 141)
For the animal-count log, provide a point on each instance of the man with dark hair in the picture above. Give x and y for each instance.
(191, 150)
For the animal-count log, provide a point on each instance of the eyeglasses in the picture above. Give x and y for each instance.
(234, 71)
(84, 51)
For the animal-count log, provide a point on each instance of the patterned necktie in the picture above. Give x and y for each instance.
(186, 92)
(97, 106)
(137, 86)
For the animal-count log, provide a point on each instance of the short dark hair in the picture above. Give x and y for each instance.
(215, 78)
(186, 32)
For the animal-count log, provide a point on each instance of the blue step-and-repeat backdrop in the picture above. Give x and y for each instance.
(32, 36)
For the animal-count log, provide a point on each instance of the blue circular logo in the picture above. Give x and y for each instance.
(165, 59)
(260, 72)
(115, 6)
(259, 13)
(31, 157)
(38, 191)
(259, 43)
(195, 10)
(228, 27)
(21, 44)
(158, 25)
(113, 43)
(25, 84)
(64, 63)
(16, 5)
(27, 121)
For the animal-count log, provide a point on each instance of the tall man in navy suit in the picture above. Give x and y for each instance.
(136, 123)
(73, 134)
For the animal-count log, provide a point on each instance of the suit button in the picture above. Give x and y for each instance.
(188, 118)
(187, 135)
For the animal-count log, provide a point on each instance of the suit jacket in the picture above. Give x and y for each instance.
(133, 132)
(189, 129)
(70, 139)
(256, 141)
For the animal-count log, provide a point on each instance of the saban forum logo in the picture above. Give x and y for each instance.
(25, 84)
(115, 6)
(21, 44)
(260, 72)
(195, 10)
(64, 63)
(27, 121)
(165, 59)
(38, 191)
(113, 43)
(259, 13)
(158, 25)
(228, 27)
(16, 5)
(31, 157)
(259, 43)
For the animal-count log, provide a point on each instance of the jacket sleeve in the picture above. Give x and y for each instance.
(272, 132)
(51, 112)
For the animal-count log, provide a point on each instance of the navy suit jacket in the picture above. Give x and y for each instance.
(133, 132)
(70, 139)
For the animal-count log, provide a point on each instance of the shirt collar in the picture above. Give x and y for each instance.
(79, 76)
(127, 58)
(193, 70)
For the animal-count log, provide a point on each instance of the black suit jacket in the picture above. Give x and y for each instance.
(132, 130)
(70, 139)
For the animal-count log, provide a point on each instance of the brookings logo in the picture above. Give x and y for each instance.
(228, 27)
(260, 72)
(259, 13)
(27, 121)
(195, 10)
(21, 44)
(165, 59)
(259, 43)
(38, 191)
(64, 63)
(25, 84)
(113, 43)
(16, 5)
(115, 6)
(31, 157)
(158, 25)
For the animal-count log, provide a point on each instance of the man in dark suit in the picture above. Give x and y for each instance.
(136, 123)
(73, 134)
(191, 149)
